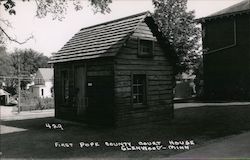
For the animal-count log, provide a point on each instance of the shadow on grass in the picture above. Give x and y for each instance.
(200, 124)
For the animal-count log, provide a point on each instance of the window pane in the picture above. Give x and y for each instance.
(134, 99)
(146, 48)
(135, 90)
(135, 80)
(140, 89)
(139, 82)
(140, 99)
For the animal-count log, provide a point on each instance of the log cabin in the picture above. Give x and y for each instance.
(117, 73)
(226, 39)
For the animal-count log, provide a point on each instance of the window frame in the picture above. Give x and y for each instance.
(145, 89)
(39, 81)
(139, 47)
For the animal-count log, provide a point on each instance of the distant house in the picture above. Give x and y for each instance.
(43, 83)
(185, 87)
(226, 37)
(115, 73)
(4, 97)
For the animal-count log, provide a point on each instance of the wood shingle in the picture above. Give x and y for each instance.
(100, 40)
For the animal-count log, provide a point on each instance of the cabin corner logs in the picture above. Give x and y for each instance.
(116, 75)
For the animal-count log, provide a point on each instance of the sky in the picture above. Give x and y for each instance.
(50, 35)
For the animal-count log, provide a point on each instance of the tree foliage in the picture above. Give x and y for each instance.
(29, 61)
(55, 8)
(180, 28)
(177, 24)
(5, 63)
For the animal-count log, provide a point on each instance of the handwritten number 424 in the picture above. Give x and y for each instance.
(53, 126)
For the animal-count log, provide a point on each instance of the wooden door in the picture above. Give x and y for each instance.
(80, 82)
(100, 100)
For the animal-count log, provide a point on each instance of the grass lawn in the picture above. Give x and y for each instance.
(200, 124)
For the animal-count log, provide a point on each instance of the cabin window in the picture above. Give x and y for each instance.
(145, 48)
(65, 86)
(39, 81)
(52, 91)
(139, 89)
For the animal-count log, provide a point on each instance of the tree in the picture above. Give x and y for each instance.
(29, 61)
(180, 28)
(172, 17)
(56, 8)
(6, 66)
(5, 63)
(7, 72)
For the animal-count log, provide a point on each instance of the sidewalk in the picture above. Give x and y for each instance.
(8, 113)
(236, 146)
(200, 104)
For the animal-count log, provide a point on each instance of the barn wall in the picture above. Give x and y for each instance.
(159, 75)
(226, 71)
(99, 71)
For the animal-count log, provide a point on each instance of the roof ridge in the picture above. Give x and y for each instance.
(230, 7)
(45, 68)
(139, 23)
(126, 37)
(45, 74)
(115, 20)
(238, 8)
(75, 50)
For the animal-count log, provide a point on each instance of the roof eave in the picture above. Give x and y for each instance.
(146, 14)
(203, 19)
(80, 59)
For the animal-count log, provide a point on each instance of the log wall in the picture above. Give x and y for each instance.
(159, 75)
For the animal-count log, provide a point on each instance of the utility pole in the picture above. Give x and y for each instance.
(19, 84)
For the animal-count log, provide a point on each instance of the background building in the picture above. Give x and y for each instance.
(43, 83)
(226, 37)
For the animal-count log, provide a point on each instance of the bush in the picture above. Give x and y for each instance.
(30, 102)
(45, 103)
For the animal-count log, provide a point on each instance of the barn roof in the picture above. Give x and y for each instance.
(46, 73)
(241, 7)
(100, 40)
(3, 92)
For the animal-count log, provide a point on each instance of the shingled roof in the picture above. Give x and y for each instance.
(3, 92)
(99, 40)
(46, 73)
(241, 7)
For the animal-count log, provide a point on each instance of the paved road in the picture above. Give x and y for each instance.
(10, 113)
(188, 105)
(235, 147)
